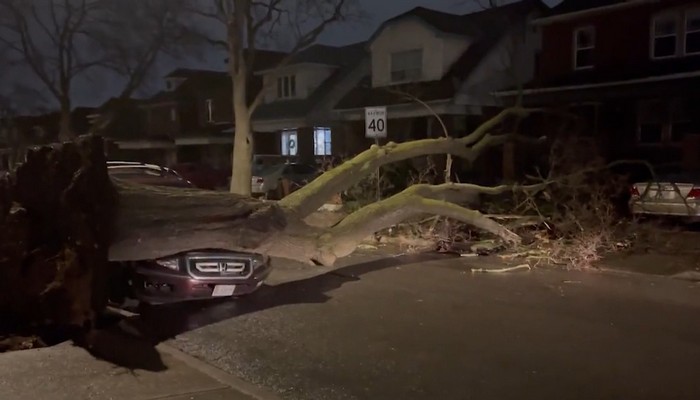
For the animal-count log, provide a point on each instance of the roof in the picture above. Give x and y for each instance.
(188, 73)
(571, 6)
(330, 55)
(347, 58)
(486, 28)
(193, 79)
(469, 24)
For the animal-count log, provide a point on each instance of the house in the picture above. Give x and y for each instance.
(18, 132)
(629, 69)
(189, 121)
(296, 116)
(426, 64)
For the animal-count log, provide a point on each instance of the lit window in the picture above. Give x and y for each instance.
(209, 103)
(584, 46)
(289, 142)
(322, 141)
(406, 65)
(286, 87)
(664, 36)
(692, 32)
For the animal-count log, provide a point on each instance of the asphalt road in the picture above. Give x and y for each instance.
(413, 329)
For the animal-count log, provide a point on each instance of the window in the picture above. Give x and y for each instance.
(664, 36)
(289, 142)
(209, 104)
(173, 114)
(322, 141)
(406, 65)
(584, 46)
(286, 86)
(666, 121)
(692, 32)
(651, 116)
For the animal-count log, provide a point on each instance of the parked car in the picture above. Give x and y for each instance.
(673, 193)
(204, 273)
(267, 179)
(203, 176)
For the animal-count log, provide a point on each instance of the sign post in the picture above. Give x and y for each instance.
(375, 122)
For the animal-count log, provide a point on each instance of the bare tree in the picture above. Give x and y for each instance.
(248, 25)
(46, 36)
(61, 40)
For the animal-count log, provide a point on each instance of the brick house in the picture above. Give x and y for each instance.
(189, 121)
(629, 69)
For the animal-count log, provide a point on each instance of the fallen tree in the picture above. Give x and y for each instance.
(157, 222)
(62, 218)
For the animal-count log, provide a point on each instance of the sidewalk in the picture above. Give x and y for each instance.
(71, 373)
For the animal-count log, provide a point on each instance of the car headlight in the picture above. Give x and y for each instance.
(170, 263)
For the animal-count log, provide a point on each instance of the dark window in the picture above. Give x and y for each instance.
(286, 86)
(680, 129)
(406, 65)
(692, 32)
(650, 133)
(584, 46)
(665, 36)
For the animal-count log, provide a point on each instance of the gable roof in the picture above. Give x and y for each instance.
(469, 24)
(486, 28)
(347, 58)
(569, 9)
(571, 6)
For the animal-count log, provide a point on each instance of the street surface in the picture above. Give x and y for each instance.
(412, 328)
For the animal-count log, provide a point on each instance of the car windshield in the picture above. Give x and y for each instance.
(264, 170)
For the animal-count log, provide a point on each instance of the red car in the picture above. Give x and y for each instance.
(205, 273)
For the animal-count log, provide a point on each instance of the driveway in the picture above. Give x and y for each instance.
(426, 328)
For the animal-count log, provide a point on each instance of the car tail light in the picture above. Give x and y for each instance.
(694, 193)
(634, 192)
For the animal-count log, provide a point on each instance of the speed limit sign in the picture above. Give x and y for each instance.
(375, 122)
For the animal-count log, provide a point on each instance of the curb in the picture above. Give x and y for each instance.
(207, 369)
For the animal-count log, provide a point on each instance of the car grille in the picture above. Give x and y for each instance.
(206, 267)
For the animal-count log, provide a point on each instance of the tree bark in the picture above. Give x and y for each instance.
(243, 137)
(65, 130)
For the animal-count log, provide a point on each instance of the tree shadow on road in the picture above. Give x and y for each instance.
(163, 322)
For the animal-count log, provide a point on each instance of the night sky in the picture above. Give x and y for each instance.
(94, 89)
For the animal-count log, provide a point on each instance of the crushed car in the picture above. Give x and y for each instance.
(200, 274)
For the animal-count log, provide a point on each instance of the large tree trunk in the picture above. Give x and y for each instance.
(241, 165)
(65, 131)
(56, 214)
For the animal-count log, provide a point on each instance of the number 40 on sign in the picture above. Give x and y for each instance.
(375, 122)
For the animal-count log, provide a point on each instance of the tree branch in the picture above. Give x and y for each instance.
(312, 196)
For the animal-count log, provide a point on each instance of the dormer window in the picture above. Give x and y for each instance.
(286, 87)
(407, 65)
(664, 42)
(584, 46)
